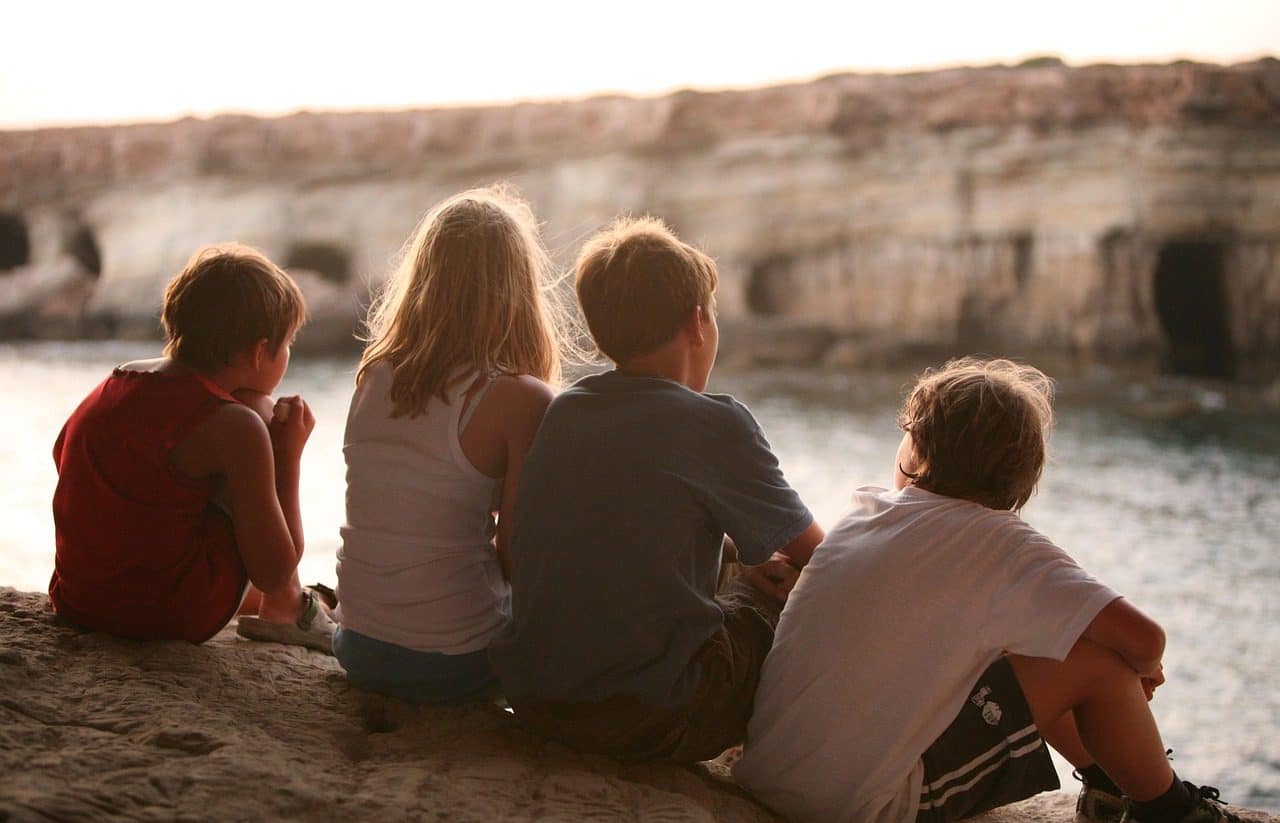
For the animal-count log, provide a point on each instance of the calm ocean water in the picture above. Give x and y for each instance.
(1173, 502)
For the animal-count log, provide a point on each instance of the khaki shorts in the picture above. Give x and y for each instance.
(714, 720)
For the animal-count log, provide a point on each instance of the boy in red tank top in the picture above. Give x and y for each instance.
(146, 546)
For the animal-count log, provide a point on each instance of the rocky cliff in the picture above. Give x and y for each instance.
(1100, 211)
(96, 728)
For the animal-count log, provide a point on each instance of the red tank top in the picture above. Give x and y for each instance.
(141, 552)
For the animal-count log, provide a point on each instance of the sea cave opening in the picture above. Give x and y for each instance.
(1191, 302)
(15, 244)
(83, 246)
(769, 287)
(329, 260)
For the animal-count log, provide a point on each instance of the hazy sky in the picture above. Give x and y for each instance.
(77, 62)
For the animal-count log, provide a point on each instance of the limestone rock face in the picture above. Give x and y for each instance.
(97, 728)
(1102, 210)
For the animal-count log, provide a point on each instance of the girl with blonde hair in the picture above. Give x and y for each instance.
(463, 350)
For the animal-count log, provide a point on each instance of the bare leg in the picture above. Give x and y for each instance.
(283, 605)
(252, 601)
(1065, 740)
(1110, 710)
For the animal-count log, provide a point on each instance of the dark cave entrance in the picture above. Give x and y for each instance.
(329, 260)
(15, 244)
(770, 286)
(84, 248)
(1191, 302)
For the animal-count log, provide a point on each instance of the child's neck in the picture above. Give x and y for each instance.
(668, 363)
(228, 378)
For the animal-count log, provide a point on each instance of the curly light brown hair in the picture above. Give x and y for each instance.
(979, 429)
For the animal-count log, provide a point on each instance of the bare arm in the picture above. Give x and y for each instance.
(497, 439)
(777, 576)
(800, 550)
(262, 482)
(235, 443)
(527, 407)
(287, 464)
(1138, 639)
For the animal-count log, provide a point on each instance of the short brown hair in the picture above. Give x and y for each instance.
(227, 298)
(637, 282)
(979, 428)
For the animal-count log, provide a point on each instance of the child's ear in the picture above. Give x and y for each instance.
(695, 326)
(261, 352)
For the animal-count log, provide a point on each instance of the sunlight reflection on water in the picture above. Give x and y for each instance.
(1181, 515)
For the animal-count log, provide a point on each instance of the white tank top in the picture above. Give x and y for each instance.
(417, 566)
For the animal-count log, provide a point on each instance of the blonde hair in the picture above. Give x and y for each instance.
(979, 430)
(227, 298)
(637, 282)
(470, 291)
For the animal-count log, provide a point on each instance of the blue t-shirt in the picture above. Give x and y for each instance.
(624, 501)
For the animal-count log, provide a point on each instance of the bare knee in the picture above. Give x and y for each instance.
(1054, 687)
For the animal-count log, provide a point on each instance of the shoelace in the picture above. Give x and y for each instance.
(1211, 793)
(1207, 792)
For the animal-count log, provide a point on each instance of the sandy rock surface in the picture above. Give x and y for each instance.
(96, 728)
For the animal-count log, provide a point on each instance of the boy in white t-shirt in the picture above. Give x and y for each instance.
(936, 641)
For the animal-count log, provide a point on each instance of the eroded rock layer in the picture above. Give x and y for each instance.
(1101, 210)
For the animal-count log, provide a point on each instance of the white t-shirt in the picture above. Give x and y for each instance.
(904, 605)
(417, 566)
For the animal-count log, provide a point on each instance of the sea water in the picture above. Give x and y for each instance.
(1171, 499)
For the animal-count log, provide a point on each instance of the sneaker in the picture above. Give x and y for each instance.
(1097, 806)
(1205, 807)
(1094, 805)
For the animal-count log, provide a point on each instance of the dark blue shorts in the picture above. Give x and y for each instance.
(412, 675)
(991, 754)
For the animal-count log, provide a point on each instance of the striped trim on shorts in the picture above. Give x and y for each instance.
(991, 754)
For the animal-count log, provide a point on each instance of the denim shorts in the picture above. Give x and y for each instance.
(412, 675)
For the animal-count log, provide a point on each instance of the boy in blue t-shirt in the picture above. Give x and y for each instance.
(623, 639)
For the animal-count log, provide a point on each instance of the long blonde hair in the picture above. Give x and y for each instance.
(471, 291)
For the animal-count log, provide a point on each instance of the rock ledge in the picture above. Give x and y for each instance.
(92, 727)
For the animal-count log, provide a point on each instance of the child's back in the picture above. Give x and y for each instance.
(904, 606)
(417, 564)
(140, 551)
(621, 640)
(176, 487)
(450, 392)
(937, 642)
(628, 491)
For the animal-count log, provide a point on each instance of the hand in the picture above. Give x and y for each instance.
(775, 577)
(291, 425)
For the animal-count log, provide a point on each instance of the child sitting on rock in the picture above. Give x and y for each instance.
(619, 641)
(146, 463)
(937, 641)
(449, 394)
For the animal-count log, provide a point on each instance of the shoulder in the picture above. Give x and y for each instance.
(521, 393)
(233, 425)
(524, 388)
(519, 400)
(149, 365)
(728, 420)
(731, 409)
